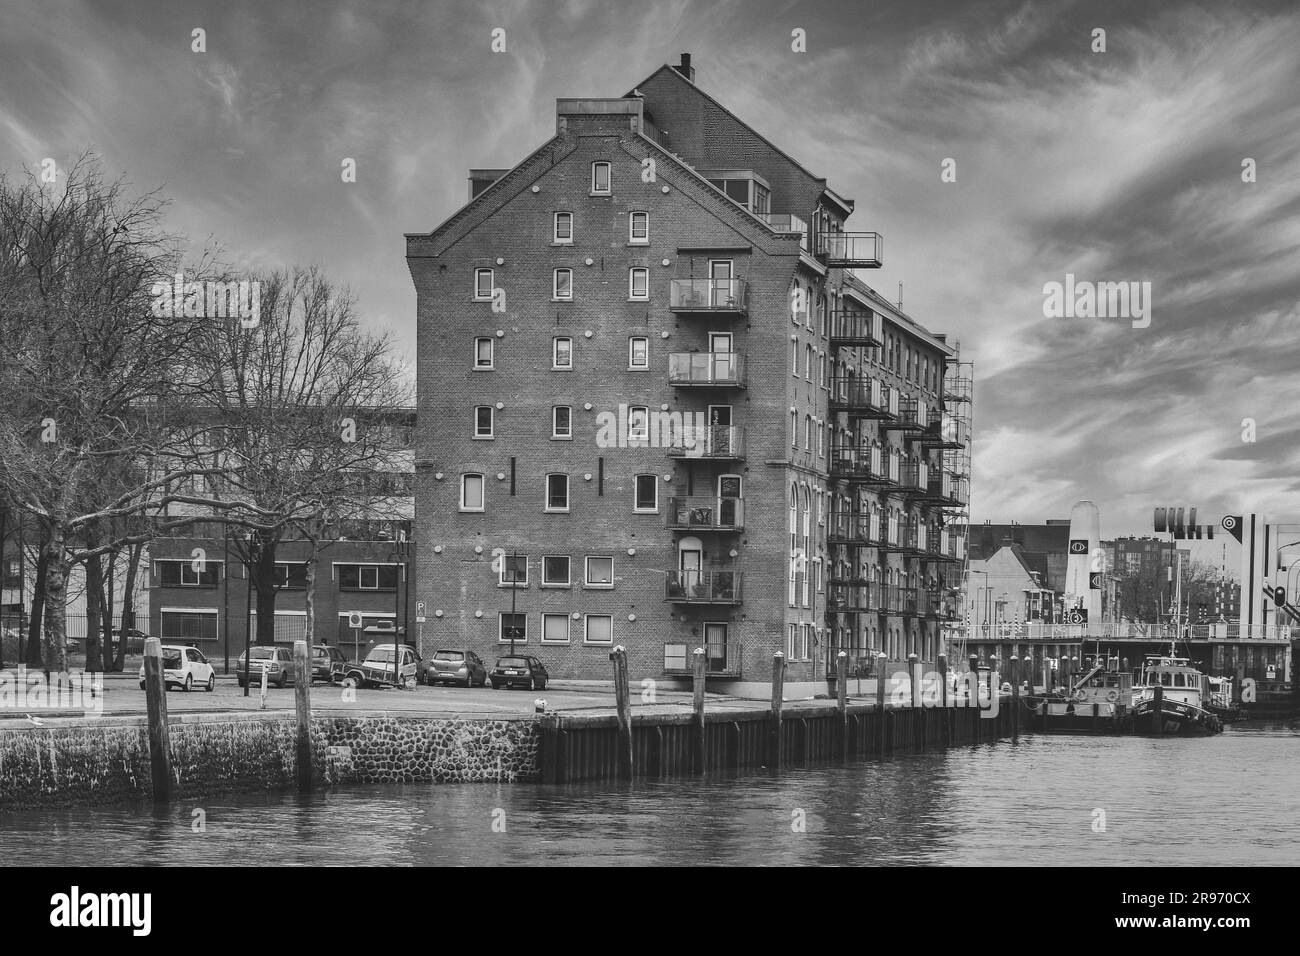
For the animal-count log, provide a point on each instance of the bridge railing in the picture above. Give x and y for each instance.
(1126, 632)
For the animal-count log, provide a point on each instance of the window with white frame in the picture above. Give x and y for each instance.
(792, 642)
(563, 227)
(794, 357)
(562, 285)
(638, 423)
(484, 353)
(638, 352)
(794, 429)
(555, 628)
(638, 228)
(647, 494)
(557, 492)
(367, 577)
(561, 421)
(507, 622)
(638, 284)
(562, 352)
(598, 629)
(183, 573)
(471, 492)
(600, 179)
(600, 572)
(484, 283)
(808, 363)
(484, 420)
(514, 571)
(555, 571)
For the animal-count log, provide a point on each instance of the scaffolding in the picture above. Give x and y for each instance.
(958, 422)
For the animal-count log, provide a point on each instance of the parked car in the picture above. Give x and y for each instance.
(135, 639)
(324, 659)
(518, 671)
(186, 668)
(457, 667)
(377, 669)
(276, 661)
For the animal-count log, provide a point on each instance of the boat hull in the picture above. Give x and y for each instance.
(1176, 719)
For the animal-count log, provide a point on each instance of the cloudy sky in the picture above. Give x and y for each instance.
(1117, 166)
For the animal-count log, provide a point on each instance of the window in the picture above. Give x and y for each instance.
(600, 178)
(512, 626)
(181, 574)
(561, 421)
(555, 570)
(638, 352)
(599, 629)
(555, 628)
(638, 228)
(600, 572)
(794, 429)
(638, 423)
(484, 353)
(562, 285)
(647, 494)
(557, 492)
(483, 285)
(471, 492)
(484, 416)
(291, 576)
(791, 642)
(367, 577)
(821, 435)
(807, 432)
(794, 357)
(638, 284)
(562, 353)
(808, 363)
(564, 227)
(821, 370)
(514, 570)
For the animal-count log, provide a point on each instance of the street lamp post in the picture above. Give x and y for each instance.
(400, 551)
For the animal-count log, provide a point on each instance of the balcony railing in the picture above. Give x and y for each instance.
(957, 389)
(710, 441)
(720, 660)
(856, 329)
(708, 295)
(851, 250)
(703, 587)
(705, 513)
(863, 396)
(846, 528)
(710, 369)
(910, 416)
(943, 430)
(873, 465)
(853, 597)
(788, 223)
(1137, 633)
(947, 490)
(914, 480)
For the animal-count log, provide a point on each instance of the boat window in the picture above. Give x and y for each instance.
(1165, 679)
(1178, 681)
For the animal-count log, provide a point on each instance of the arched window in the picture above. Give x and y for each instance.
(807, 521)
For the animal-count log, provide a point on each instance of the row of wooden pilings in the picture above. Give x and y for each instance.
(578, 747)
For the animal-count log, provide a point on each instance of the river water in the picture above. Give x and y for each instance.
(1046, 800)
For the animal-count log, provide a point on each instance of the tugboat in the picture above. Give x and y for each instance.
(1184, 693)
(1222, 702)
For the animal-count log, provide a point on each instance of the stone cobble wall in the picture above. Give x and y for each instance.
(106, 763)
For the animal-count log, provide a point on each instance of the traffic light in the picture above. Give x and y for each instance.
(1279, 596)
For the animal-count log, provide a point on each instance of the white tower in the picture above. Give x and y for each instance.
(1085, 558)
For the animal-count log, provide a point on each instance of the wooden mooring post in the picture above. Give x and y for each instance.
(774, 724)
(881, 714)
(623, 700)
(842, 701)
(1157, 712)
(698, 733)
(1015, 697)
(941, 663)
(155, 696)
(302, 710)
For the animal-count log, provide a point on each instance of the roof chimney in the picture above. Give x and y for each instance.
(685, 68)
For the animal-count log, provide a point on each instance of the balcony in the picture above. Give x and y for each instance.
(942, 430)
(715, 297)
(787, 223)
(707, 369)
(865, 466)
(720, 660)
(946, 546)
(703, 587)
(715, 442)
(903, 538)
(863, 397)
(947, 490)
(705, 513)
(853, 529)
(911, 416)
(914, 480)
(853, 597)
(851, 250)
(957, 389)
(856, 329)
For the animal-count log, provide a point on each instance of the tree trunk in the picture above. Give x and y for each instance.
(264, 583)
(106, 607)
(311, 597)
(94, 603)
(128, 602)
(32, 653)
(56, 603)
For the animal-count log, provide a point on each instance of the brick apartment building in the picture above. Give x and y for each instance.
(656, 409)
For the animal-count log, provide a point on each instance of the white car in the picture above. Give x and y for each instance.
(186, 668)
